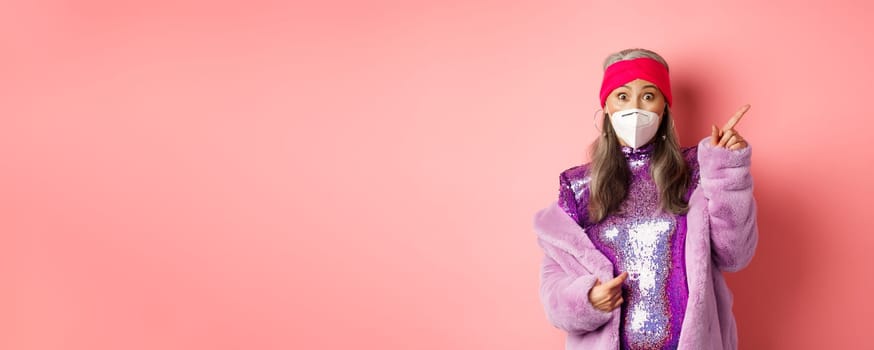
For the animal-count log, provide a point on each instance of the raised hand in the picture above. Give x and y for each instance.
(727, 137)
(608, 296)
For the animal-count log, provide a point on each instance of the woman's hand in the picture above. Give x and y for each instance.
(728, 137)
(607, 296)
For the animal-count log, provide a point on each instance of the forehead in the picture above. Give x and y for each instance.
(638, 84)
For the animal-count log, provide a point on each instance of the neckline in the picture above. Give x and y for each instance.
(642, 152)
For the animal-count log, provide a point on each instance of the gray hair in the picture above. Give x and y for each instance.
(630, 54)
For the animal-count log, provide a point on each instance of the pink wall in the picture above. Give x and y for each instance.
(210, 175)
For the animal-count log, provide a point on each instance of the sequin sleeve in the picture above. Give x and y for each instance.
(567, 197)
(728, 188)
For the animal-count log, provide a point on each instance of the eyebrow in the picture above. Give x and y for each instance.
(645, 86)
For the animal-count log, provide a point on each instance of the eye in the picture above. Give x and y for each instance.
(649, 96)
(622, 96)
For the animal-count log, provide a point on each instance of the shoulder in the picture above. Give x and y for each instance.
(573, 183)
(577, 171)
(690, 154)
(575, 179)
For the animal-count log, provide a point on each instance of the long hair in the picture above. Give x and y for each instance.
(609, 172)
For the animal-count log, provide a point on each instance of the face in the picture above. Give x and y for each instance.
(639, 94)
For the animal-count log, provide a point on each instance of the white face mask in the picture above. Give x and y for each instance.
(635, 126)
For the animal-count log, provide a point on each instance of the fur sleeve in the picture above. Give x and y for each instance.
(565, 296)
(569, 268)
(728, 188)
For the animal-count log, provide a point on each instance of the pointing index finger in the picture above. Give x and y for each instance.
(736, 117)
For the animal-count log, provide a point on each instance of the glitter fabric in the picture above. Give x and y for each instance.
(645, 241)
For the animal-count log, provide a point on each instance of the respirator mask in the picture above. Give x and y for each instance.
(635, 126)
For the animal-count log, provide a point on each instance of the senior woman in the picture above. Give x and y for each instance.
(636, 243)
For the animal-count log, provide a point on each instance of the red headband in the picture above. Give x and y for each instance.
(621, 72)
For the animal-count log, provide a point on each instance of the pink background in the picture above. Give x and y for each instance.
(350, 175)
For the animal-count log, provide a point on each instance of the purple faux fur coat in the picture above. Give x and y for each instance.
(722, 235)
